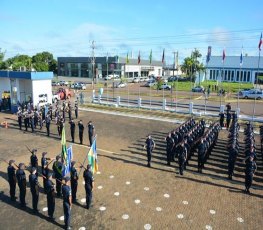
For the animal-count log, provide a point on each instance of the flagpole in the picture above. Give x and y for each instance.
(240, 69)
(176, 92)
(107, 78)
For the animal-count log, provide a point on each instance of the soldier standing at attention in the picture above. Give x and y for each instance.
(149, 145)
(11, 171)
(228, 120)
(34, 188)
(182, 155)
(169, 148)
(57, 169)
(33, 159)
(48, 120)
(91, 131)
(76, 110)
(19, 117)
(201, 155)
(21, 180)
(89, 185)
(50, 196)
(74, 181)
(67, 202)
(81, 130)
(72, 130)
(221, 120)
(251, 168)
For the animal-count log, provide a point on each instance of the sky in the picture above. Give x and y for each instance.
(67, 27)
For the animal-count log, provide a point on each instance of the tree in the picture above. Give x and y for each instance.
(19, 61)
(2, 63)
(44, 62)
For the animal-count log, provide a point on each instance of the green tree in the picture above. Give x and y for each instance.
(19, 61)
(44, 62)
(2, 63)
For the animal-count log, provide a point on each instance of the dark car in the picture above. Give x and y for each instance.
(198, 89)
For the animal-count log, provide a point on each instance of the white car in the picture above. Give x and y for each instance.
(253, 94)
(109, 77)
(136, 80)
(121, 85)
(150, 83)
(165, 86)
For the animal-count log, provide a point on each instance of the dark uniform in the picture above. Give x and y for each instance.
(72, 130)
(74, 181)
(45, 170)
(57, 169)
(34, 188)
(76, 111)
(81, 130)
(34, 159)
(201, 156)
(221, 119)
(12, 180)
(233, 152)
(251, 167)
(50, 197)
(19, 117)
(21, 181)
(169, 148)
(66, 192)
(48, 120)
(149, 148)
(91, 130)
(89, 181)
(182, 154)
(228, 119)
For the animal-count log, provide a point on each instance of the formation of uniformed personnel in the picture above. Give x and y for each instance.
(89, 185)
(67, 202)
(169, 148)
(149, 145)
(21, 181)
(50, 196)
(34, 188)
(91, 131)
(81, 130)
(11, 172)
(74, 181)
(72, 130)
(57, 169)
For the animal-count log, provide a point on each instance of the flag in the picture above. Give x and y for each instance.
(241, 58)
(224, 55)
(150, 57)
(107, 58)
(93, 158)
(67, 164)
(139, 58)
(63, 145)
(163, 57)
(127, 58)
(208, 56)
(260, 42)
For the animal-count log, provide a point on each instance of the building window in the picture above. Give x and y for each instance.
(248, 76)
(210, 75)
(217, 73)
(237, 76)
(232, 75)
(245, 76)
(241, 75)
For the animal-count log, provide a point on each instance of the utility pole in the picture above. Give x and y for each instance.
(92, 58)
(174, 62)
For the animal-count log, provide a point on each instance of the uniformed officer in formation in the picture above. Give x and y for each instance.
(72, 130)
(34, 188)
(34, 159)
(45, 169)
(76, 110)
(221, 119)
(91, 131)
(21, 181)
(169, 148)
(11, 172)
(182, 155)
(149, 145)
(50, 196)
(250, 170)
(19, 117)
(81, 130)
(48, 121)
(57, 169)
(201, 155)
(228, 119)
(74, 181)
(67, 202)
(89, 185)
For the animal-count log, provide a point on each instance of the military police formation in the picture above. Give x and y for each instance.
(65, 187)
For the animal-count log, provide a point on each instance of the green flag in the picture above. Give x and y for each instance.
(127, 59)
(63, 145)
(150, 57)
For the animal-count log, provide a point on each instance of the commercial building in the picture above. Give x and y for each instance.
(232, 71)
(19, 87)
(103, 66)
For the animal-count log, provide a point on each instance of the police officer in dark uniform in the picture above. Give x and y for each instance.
(57, 169)
(81, 130)
(74, 181)
(76, 110)
(69, 112)
(45, 169)
(50, 196)
(48, 121)
(19, 117)
(72, 129)
(34, 188)
(221, 119)
(91, 131)
(182, 155)
(149, 145)
(11, 171)
(201, 155)
(21, 181)
(67, 202)
(89, 185)
(34, 159)
(251, 168)
(228, 120)
(233, 152)
(169, 148)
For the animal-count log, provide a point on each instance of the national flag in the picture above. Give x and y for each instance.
(67, 164)
(127, 59)
(63, 145)
(241, 58)
(260, 42)
(139, 58)
(163, 57)
(150, 57)
(208, 56)
(224, 55)
(93, 158)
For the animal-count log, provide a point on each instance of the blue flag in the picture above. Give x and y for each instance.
(67, 162)
(241, 58)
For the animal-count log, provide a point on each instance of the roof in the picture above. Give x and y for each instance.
(26, 75)
(249, 62)
(134, 61)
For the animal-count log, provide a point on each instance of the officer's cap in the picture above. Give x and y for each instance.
(44, 153)
(88, 166)
(58, 157)
(67, 179)
(11, 162)
(34, 150)
(21, 164)
(49, 175)
(73, 163)
(33, 169)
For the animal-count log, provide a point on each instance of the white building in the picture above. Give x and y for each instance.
(26, 86)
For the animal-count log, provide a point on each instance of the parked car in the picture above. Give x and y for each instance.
(165, 86)
(121, 85)
(54, 83)
(243, 91)
(198, 89)
(136, 80)
(109, 77)
(78, 85)
(253, 94)
(150, 83)
(145, 79)
(63, 83)
(172, 78)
